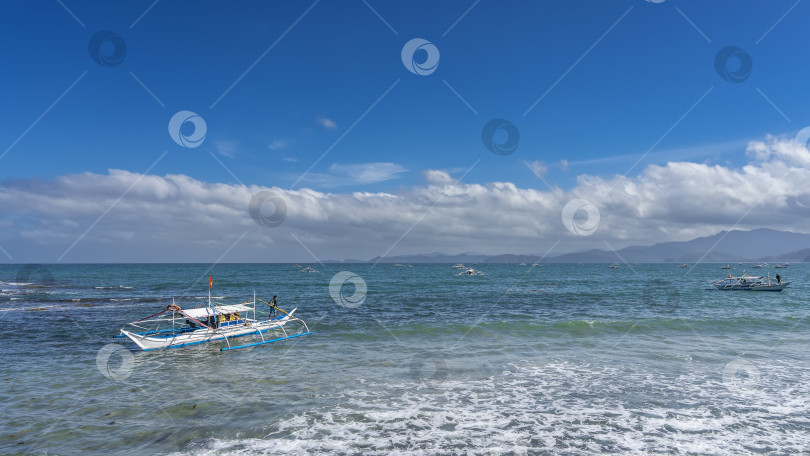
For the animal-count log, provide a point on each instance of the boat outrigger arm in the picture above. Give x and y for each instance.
(208, 324)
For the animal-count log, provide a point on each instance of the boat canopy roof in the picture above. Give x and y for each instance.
(205, 312)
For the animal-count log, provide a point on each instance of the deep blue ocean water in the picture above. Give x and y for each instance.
(556, 359)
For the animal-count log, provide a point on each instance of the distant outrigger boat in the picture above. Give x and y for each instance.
(309, 270)
(209, 324)
(614, 266)
(458, 266)
(747, 282)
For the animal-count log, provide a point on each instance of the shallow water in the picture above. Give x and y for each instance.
(558, 359)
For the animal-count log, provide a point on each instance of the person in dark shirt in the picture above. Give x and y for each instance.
(273, 306)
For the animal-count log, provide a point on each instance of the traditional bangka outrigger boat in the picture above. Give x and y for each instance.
(747, 282)
(178, 327)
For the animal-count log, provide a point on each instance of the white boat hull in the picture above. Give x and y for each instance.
(779, 287)
(202, 335)
(751, 287)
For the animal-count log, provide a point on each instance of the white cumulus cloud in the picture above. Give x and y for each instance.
(327, 123)
(538, 168)
(226, 147)
(368, 173)
(178, 218)
(279, 144)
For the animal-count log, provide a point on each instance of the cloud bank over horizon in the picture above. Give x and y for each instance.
(123, 216)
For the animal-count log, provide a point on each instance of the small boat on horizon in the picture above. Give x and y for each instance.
(728, 266)
(458, 266)
(614, 266)
(309, 270)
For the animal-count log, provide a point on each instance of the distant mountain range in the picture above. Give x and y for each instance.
(761, 245)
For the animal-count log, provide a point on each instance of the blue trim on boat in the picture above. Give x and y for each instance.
(263, 343)
(224, 337)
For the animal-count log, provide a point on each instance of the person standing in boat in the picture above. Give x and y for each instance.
(273, 306)
(778, 279)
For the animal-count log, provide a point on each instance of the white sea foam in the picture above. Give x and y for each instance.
(17, 284)
(554, 408)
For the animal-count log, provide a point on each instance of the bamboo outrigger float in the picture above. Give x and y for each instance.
(208, 324)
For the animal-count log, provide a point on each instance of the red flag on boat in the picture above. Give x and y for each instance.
(210, 282)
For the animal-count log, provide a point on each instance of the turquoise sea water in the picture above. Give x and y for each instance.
(557, 359)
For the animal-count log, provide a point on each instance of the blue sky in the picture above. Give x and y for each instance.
(595, 84)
